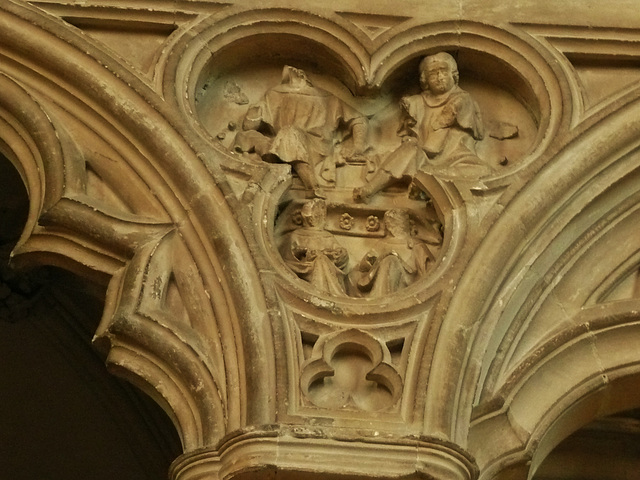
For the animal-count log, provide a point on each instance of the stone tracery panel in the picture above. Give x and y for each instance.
(321, 272)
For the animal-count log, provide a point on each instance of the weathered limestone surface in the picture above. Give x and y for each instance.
(392, 240)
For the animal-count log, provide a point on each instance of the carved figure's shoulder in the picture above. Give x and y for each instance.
(412, 104)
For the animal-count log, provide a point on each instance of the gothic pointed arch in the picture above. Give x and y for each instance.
(115, 192)
(588, 251)
(338, 242)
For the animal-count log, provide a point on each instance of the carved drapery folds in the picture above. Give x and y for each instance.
(375, 245)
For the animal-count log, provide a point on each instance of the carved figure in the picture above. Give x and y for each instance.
(439, 131)
(314, 254)
(299, 124)
(396, 261)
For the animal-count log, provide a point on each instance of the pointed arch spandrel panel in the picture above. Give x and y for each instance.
(202, 266)
(211, 76)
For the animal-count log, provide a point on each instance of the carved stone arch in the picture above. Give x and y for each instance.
(27, 135)
(579, 206)
(119, 125)
(598, 378)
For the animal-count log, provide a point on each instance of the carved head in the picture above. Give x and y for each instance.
(314, 213)
(438, 73)
(397, 223)
(295, 77)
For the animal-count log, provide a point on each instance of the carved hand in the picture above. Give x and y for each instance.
(368, 261)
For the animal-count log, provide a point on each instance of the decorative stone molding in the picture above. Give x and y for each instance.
(80, 220)
(245, 296)
(295, 452)
(608, 199)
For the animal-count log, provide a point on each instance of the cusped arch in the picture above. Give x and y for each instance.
(551, 237)
(75, 219)
(27, 132)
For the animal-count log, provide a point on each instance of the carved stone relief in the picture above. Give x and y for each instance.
(362, 191)
(368, 158)
(335, 239)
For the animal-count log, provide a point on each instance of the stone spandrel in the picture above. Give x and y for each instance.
(369, 159)
(389, 282)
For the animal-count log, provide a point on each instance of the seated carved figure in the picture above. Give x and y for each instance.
(440, 129)
(300, 124)
(396, 261)
(314, 253)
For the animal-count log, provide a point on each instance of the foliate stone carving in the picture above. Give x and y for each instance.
(346, 221)
(351, 370)
(373, 223)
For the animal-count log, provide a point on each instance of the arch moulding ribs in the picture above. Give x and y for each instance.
(168, 290)
(203, 310)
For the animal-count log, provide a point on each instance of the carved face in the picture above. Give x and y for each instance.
(437, 77)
